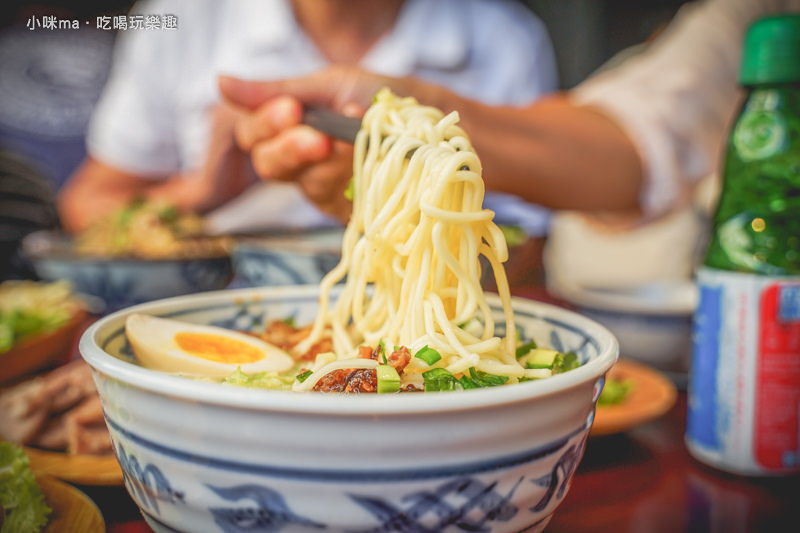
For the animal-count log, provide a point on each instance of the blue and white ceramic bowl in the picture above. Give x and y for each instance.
(122, 282)
(200, 456)
(299, 258)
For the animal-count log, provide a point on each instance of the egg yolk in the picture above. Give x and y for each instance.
(217, 348)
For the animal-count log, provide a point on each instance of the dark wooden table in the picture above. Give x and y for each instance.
(640, 481)
(645, 481)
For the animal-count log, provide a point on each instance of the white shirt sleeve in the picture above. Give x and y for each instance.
(677, 99)
(133, 125)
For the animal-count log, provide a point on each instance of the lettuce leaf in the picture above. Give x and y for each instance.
(20, 496)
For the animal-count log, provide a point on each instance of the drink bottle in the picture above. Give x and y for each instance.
(744, 382)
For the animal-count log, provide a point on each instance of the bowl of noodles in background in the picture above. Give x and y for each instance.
(141, 252)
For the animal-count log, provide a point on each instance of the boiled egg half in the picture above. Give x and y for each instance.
(197, 349)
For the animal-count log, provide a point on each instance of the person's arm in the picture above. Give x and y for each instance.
(551, 152)
(554, 153)
(93, 191)
(97, 188)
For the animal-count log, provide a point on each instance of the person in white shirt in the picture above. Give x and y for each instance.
(161, 130)
(638, 137)
(619, 157)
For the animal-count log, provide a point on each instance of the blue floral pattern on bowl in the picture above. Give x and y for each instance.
(466, 497)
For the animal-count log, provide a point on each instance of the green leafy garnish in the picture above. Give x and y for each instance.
(551, 359)
(26, 510)
(168, 214)
(6, 337)
(350, 191)
(482, 379)
(439, 380)
(302, 376)
(525, 348)
(564, 362)
(29, 308)
(429, 355)
(382, 352)
(615, 391)
(538, 358)
(388, 379)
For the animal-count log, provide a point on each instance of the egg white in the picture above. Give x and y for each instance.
(153, 342)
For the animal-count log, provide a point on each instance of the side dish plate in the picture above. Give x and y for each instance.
(652, 395)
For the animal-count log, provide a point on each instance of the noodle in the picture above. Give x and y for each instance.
(411, 251)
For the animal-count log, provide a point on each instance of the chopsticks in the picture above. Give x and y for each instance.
(332, 123)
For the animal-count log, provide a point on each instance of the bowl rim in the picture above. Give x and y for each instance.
(337, 404)
(310, 242)
(41, 247)
(657, 298)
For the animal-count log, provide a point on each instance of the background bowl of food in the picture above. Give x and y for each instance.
(38, 323)
(221, 454)
(140, 253)
(291, 258)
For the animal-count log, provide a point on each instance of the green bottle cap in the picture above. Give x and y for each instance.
(771, 52)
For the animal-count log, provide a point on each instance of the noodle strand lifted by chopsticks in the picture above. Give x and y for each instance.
(411, 251)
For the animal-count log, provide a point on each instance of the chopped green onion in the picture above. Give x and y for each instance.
(438, 380)
(429, 355)
(289, 321)
(301, 377)
(483, 379)
(525, 348)
(382, 352)
(467, 383)
(388, 379)
(539, 358)
(564, 362)
(350, 191)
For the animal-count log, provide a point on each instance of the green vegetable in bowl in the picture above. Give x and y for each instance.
(259, 380)
(534, 357)
(21, 498)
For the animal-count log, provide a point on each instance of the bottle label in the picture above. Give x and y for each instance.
(744, 388)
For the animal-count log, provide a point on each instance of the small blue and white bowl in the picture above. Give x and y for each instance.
(299, 258)
(203, 457)
(122, 282)
(652, 321)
